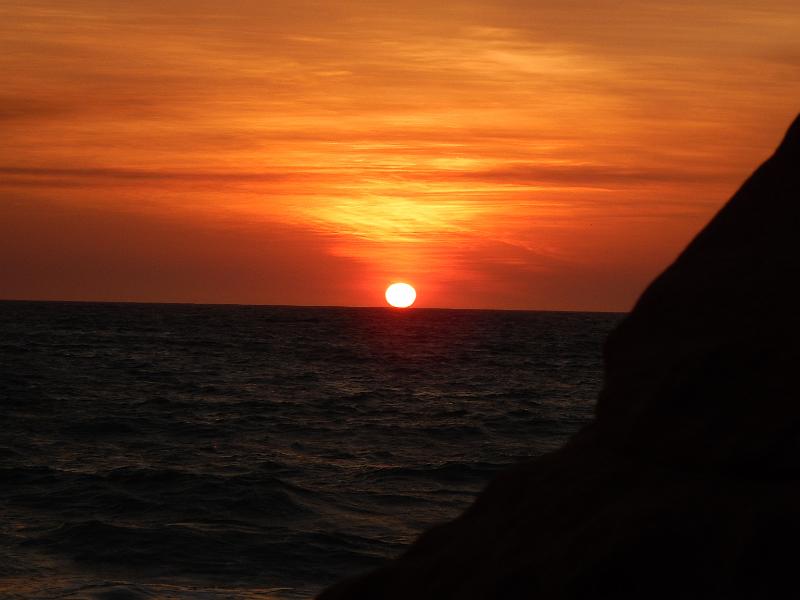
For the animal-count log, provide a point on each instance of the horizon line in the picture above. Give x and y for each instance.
(241, 304)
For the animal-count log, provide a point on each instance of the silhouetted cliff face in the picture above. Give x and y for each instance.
(687, 484)
(700, 373)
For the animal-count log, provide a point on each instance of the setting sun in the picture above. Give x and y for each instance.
(401, 295)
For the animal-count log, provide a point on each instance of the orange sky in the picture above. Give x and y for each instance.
(494, 153)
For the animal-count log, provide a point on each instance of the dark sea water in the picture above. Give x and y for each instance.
(179, 451)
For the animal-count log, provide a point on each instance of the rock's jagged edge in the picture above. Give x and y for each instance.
(687, 483)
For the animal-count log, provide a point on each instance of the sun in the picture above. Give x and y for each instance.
(401, 295)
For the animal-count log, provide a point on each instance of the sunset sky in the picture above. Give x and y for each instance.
(494, 153)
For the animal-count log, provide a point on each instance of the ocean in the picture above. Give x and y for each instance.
(194, 451)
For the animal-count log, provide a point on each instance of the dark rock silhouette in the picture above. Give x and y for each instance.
(687, 483)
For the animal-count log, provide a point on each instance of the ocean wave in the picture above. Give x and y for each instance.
(269, 446)
(441, 473)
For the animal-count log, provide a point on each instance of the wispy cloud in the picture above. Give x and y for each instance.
(555, 141)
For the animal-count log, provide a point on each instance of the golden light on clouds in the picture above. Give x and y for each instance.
(548, 155)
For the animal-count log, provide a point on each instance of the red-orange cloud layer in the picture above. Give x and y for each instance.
(509, 154)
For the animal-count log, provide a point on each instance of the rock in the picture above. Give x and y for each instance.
(698, 373)
(687, 483)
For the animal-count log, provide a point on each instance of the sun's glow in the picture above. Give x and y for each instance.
(312, 157)
(401, 295)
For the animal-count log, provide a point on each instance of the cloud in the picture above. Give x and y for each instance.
(51, 251)
(385, 137)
